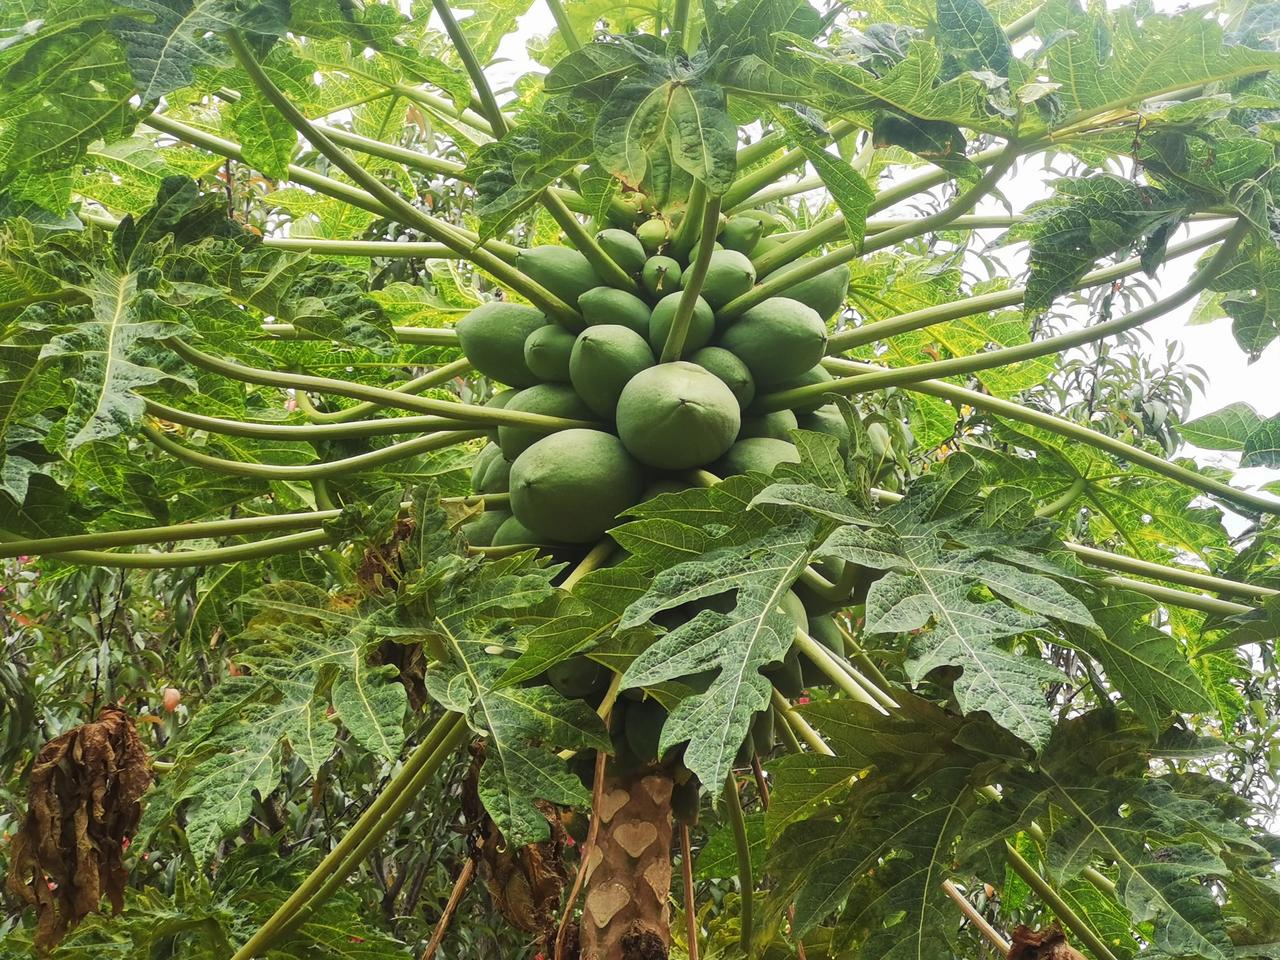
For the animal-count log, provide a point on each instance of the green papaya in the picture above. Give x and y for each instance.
(824, 294)
(728, 368)
(643, 726)
(512, 533)
(548, 399)
(652, 234)
(658, 487)
(701, 326)
(604, 359)
(759, 738)
(777, 425)
(741, 233)
(825, 631)
(814, 375)
(769, 222)
(481, 463)
(481, 531)
(693, 251)
(766, 246)
(497, 477)
(677, 415)
(881, 442)
(755, 455)
(787, 676)
(577, 677)
(572, 485)
(562, 270)
(624, 248)
(660, 276)
(498, 402)
(829, 420)
(793, 607)
(546, 352)
(778, 340)
(729, 275)
(605, 305)
(493, 335)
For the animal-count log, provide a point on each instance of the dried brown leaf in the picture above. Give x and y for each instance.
(1048, 943)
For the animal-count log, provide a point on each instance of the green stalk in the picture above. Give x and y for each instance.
(673, 348)
(767, 175)
(483, 416)
(561, 18)
(799, 726)
(417, 336)
(822, 659)
(1026, 351)
(1157, 571)
(680, 22)
(779, 192)
(605, 266)
(742, 844)
(1045, 421)
(448, 732)
(928, 316)
(412, 159)
(1179, 598)
(1069, 496)
(404, 211)
(432, 378)
(195, 558)
(302, 432)
(592, 561)
(754, 152)
(693, 221)
(1024, 24)
(1055, 903)
(362, 248)
(775, 285)
(440, 105)
(488, 102)
(310, 471)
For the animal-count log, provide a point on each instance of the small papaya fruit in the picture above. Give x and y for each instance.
(603, 361)
(701, 325)
(546, 352)
(497, 402)
(481, 463)
(755, 455)
(512, 533)
(643, 726)
(777, 425)
(607, 306)
(492, 336)
(829, 420)
(548, 399)
(824, 294)
(653, 234)
(677, 415)
(814, 375)
(728, 368)
(624, 248)
(577, 677)
(562, 270)
(741, 233)
(660, 276)
(729, 275)
(480, 531)
(778, 340)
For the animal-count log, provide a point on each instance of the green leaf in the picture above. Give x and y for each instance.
(847, 187)
(971, 39)
(1225, 429)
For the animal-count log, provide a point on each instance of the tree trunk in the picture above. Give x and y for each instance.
(626, 915)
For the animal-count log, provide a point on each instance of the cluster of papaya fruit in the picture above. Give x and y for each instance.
(652, 420)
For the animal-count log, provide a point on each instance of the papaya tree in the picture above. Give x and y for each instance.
(673, 471)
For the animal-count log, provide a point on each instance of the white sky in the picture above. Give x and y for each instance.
(1228, 375)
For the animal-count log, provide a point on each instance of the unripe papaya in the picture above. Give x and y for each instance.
(604, 360)
(660, 276)
(562, 270)
(652, 234)
(787, 676)
(756, 455)
(481, 463)
(643, 726)
(825, 631)
(881, 442)
(577, 677)
(546, 352)
(572, 485)
(824, 294)
(728, 368)
(729, 275)
(497, 477)
(512, 533)
(548, 399)
(741, 233)
(480, 531)
(498, 402)
(777, 425)
(759, 738)
(701, 326)
(693, 251)
(605, 305)
(829, 420)
(815, 374)
(778, 340)
(677, 415)
(658, 487)
(623, 247)
(766, 245)
(769, 222)
(493, 335)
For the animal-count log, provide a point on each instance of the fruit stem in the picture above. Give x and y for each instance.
(1180, 598)
(592, 561)
(800, 726)
(764, 176)
(690, 902)
(686, 236)
(182, 559)
(673, 348)
(822, 659)
(742, 845)
(417, 336)
(1156, 571)
(1068, 497)
(432, 378)
(605, 266)
(488, 102)
(561, 18)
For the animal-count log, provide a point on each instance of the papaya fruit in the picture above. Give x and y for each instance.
(658, 487)
(546, 352)
(562, 270)
(728, 368)
(824, 630)
(741, 233)
(701, 326)
(512, 533)
(643, 727)
(769, 222)
(815, 374)
(577, 677)
(624, 248)
(824, 294)
(755, 455)
(548, 399)
(571, 485)
(793, 607)
(693, 251)
(778, 340)
(497, 402)
(881, 442)
(497, 477)
(652, 234)
(777, 425)
(481, 463)
(766, 245)
(729, 275)
(677, 415)
(787, 676)
(660, 276)
(607, 306)
(493, 335)
(480, 531)
(829, 420)
(759, 738)
(604, 359)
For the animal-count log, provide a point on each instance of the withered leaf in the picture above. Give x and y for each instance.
(1048, 943)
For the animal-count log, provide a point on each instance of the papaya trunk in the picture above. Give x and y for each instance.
(626, 914)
